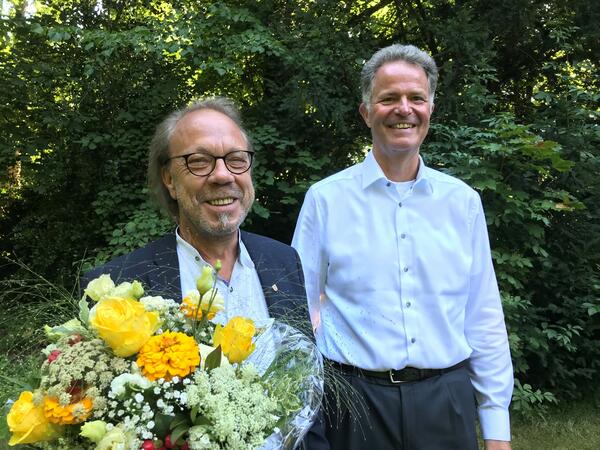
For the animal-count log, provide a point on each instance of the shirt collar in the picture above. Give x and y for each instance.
(372, 172)
(243, 255)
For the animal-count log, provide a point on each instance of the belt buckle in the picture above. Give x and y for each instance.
(391, 373)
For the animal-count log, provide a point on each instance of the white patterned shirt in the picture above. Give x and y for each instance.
(243, 293)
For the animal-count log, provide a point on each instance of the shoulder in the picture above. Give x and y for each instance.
(445, 182)
(336, 187)
(133, 262)
(341, 178)
(254, 242)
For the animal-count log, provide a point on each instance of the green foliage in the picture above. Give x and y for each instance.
(527, 402)
(516, 117)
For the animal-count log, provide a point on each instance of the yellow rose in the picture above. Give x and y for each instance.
(123, 324)
(235, 339)
(27, 422)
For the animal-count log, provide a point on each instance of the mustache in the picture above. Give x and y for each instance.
(213, 194)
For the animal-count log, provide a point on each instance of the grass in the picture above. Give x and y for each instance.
(567, 426)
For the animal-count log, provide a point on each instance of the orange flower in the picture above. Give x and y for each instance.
(67, 415)
(167, 355)
(195, 305)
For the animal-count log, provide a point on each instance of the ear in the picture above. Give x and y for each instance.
(432, 108)
(364, 112)
(167, 180)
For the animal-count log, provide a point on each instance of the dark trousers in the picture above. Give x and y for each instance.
(437, 413)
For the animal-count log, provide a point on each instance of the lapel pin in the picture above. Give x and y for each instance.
(275, 288)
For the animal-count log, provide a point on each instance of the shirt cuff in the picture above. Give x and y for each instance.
(495, 424)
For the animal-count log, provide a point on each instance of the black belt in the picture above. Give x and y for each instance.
(405, 375)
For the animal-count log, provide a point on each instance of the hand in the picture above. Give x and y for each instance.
(491, 444)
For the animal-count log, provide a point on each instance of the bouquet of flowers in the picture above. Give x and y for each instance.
(135, 372)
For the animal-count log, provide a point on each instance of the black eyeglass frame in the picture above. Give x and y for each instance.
(214, 159)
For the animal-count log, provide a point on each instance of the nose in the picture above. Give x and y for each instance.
(402, 107)
(221, 174)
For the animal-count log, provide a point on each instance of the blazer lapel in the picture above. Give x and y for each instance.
(267, 277)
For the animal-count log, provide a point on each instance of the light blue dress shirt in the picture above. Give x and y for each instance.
(401, 275)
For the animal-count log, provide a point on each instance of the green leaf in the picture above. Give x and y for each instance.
(37, 28)
(180, 420)
(162, 424)
(213, 360)
(178, 432)
(84, 311)
(202, 420)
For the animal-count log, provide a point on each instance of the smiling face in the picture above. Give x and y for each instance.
(215, 205)
(398, 115)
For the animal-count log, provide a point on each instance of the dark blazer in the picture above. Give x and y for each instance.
(279, 270)
(156, 266)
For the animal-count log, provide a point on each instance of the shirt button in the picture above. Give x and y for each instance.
(408, 304)
(388, 184)
(406, 269)
(403, 236)
(231, 289)
(197, 258)
(413, 340)
(400, 204)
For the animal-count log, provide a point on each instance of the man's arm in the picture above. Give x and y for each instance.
(307, 241)
(490, 363)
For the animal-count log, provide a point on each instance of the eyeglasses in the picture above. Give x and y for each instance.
(203, 164)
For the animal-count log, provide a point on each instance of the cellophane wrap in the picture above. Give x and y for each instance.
(286, 348)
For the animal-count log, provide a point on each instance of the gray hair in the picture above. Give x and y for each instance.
(159, 146)
(397, 52)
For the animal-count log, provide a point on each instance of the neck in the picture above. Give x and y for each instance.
(402, 168)
(213, 248)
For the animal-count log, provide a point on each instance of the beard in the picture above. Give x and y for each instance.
(225, 223)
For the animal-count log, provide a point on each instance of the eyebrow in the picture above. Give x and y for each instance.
(207, 152)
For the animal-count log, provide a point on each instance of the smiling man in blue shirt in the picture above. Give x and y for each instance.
(400, 282)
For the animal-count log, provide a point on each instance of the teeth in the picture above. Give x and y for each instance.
(221, 201)
(403, 126)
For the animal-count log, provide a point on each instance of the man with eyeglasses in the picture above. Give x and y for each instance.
(199, 171)
(400, 282)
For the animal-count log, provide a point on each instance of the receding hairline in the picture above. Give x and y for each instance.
(207, 110)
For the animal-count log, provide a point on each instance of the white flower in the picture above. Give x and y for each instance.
(128, 290)
(157, 303)
(99, 287)
(119, 383)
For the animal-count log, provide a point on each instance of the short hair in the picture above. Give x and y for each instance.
(159, 146)
(397, 52)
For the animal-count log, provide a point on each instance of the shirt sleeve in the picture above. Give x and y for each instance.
(307, 241)
(485, 330)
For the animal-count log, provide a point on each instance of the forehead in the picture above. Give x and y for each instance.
(395, 74)
(207, 129)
